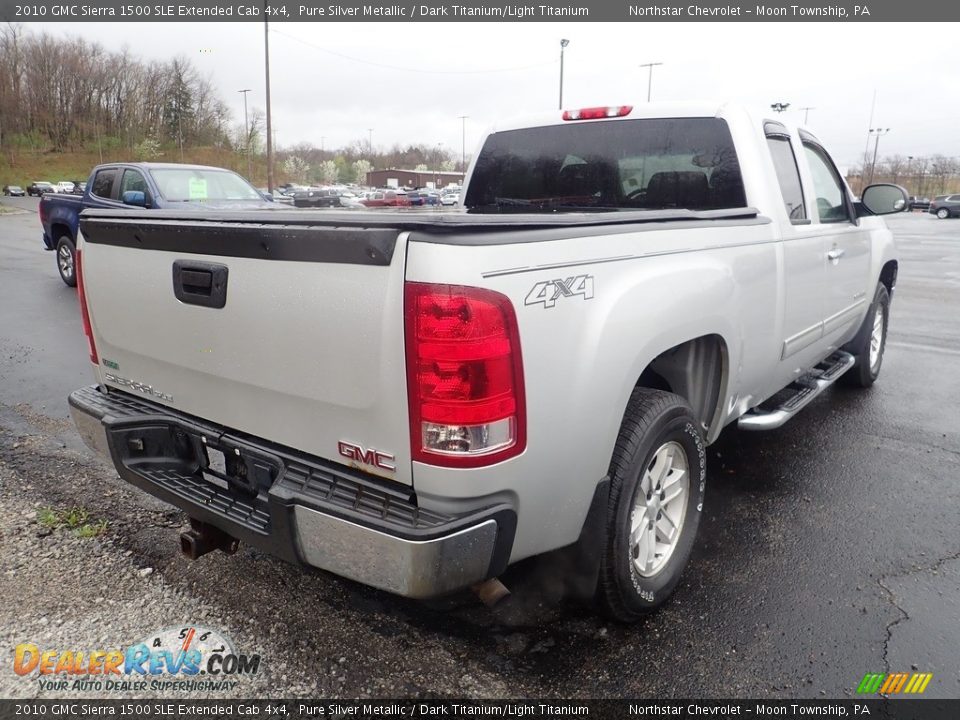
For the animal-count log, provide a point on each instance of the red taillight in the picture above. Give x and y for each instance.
(596, 113)
(87, 330)
(464, 376)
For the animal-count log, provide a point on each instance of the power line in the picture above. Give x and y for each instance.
(410, 69)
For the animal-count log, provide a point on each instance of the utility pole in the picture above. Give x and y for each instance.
(563, 45)
(650, 67)
(876, 144)
(322, 140)
(806, 114)
(463, 144)
(246, 129)
(370, 142)
(866, 149)
(266, 57)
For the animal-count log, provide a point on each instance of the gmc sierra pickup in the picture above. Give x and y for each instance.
(415, 401)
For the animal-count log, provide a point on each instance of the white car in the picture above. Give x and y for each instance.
(450, 198)
(64, 186)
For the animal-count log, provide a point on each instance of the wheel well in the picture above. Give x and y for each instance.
(694, 370)
(888, 275)
(57, 230)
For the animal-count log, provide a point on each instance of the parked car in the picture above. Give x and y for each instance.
(13, 191)
(418, 400)
(64, 186)
(918, 203)
(450, 197)
(145, 185)
(945, 206)
(276, 196)
(324, 197)
(39, 187)
(423, 196)
(386, 198)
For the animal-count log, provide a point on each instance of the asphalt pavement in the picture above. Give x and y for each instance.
(828, 548)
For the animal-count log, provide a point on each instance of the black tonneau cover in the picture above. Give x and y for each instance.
(367, 237)
(419, 219)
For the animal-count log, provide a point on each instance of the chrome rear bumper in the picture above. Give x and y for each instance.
(306, 510)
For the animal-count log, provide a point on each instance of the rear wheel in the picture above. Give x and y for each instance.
(657, 478)
(66, 260)
(943, 213)
(870, 342)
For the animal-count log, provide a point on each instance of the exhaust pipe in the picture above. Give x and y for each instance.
(203, 538)
(490, 591)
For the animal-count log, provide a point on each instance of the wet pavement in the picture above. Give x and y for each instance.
(828, 548)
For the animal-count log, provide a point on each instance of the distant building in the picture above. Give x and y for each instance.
(413, 178)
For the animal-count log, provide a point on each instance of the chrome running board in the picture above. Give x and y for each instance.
(804, 389)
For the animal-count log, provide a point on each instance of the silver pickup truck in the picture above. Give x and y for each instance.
(416, 400)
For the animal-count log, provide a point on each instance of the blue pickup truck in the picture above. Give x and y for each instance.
(140, 185)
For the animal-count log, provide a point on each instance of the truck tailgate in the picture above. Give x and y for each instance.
(288, 332)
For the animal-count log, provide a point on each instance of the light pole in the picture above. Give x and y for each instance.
(649, 67)
(876, 144)
(370, 142)
(463, 143)
(563, 45)
(246, 129)
(266, 68)
(806, 113)
(780, 107)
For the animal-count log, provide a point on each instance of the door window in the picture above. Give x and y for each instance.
(828, 189)
(132, 180)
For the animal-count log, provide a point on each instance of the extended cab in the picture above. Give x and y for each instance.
(416, 401)
(138, 185)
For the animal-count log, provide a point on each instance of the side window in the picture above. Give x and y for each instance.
(785, 163)
(132, 180)
(828, 190)
(103, 183)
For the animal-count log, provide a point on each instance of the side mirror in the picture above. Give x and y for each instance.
(883, 199)
(135, 197)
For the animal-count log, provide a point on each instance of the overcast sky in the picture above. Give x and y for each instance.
(411, 81)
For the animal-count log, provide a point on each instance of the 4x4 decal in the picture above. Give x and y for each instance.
(547, 292)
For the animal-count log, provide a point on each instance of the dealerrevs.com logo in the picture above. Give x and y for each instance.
(191, 659)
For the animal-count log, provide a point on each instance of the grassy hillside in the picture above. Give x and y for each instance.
(28, 166)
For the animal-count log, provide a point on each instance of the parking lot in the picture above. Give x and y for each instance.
(828, 548)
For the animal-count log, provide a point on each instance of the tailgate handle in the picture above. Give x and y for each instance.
(200, 283)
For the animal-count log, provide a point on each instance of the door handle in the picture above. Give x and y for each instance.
(836, 254)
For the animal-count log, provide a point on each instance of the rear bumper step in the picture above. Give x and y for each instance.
(300, 508)
(804, 391)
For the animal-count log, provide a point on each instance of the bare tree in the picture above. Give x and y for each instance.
(942, 168)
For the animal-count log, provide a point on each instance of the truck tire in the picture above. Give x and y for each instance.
(657, 478)
(870, 342)
(66, 260)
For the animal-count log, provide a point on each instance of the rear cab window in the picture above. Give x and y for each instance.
(788, 174)
(103, 183)
(643, 164)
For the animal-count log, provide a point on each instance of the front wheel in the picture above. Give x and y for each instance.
(657, 478)
(66, 260)
(870, 342)
(943, 213)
